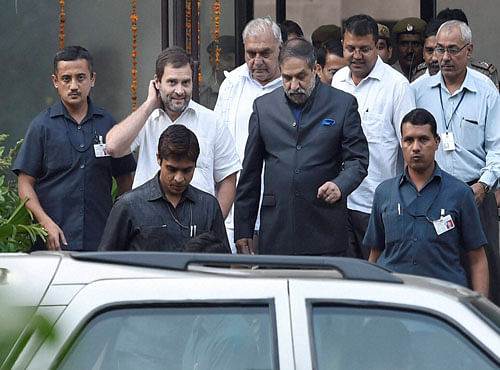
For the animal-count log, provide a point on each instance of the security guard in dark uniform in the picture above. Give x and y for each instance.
(409, 45)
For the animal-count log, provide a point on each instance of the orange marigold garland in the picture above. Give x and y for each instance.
(134, 19)
(199, 73)
(62, 20)
(188, 26)
(217, 32)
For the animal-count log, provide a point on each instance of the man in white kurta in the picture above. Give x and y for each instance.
(258, 76)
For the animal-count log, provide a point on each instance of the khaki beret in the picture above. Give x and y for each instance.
(326, 32)
(226, 44)
(409, 25)
(383, 31)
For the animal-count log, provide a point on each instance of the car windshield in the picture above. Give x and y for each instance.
(374, 338)
(152, 338)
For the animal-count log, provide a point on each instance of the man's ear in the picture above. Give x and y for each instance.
(470, 48)
(317, 68)
(158, 159)
(92, 79)
(54, 80)
(157, 82)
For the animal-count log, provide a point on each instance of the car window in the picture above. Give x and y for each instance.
(486, 310)
(202, 337)
(368, 338)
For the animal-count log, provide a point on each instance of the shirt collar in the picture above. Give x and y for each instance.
(436, 174)
(191, 108)
(468, 84)
(248, 76)
(156, 192)
(58, 109)
(376, 73)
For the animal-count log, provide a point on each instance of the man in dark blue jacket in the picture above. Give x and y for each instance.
(309, 136)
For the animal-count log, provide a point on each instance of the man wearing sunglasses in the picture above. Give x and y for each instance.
(467, 110)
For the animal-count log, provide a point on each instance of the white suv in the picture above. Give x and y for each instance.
(206, 311)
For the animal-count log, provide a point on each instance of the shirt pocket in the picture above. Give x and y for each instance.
(393, 226)
(372, 124)
(155, 238)
(59, 155)
(469, 130)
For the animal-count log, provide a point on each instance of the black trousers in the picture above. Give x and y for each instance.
(488, 213)
(357, 223)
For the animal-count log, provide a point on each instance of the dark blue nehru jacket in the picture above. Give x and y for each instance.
(72, 184)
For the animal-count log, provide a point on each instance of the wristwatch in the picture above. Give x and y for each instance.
(485, 186)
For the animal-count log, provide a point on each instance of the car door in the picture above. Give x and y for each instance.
(197, 322)
(366, 325)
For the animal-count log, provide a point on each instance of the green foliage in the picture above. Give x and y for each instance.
(17, 227)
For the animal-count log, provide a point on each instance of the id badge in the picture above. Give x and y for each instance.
(448, 141)
(100, 150)
(444, 224)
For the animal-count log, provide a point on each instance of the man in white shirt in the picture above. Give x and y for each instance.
(384, 97)
(258, 76)
(168, 102)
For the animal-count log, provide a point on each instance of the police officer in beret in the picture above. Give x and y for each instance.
(409, 45)
(384, 46)
(430, 65)
(209, 89)
(324, 33)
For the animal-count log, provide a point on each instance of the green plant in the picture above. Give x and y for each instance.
(17, 225)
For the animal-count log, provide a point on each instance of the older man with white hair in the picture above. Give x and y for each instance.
(259, 75)
(467, 110)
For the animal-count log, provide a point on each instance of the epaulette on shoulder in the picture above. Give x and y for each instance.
(484, 65)
(421, 67)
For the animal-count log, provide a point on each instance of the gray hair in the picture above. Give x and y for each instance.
(258, 26)
(465, 30)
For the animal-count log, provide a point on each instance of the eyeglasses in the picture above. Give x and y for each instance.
(452, 51)
(363, 50)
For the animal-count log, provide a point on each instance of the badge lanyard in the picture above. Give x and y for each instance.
(400, 211)
(75, 145)
(447, 124)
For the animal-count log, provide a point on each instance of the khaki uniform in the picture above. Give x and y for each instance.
(485, 68)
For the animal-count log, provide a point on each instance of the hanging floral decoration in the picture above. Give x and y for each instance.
(134, 19)
(217, 32)
(199, 73)
(62, 20)
(189, 9)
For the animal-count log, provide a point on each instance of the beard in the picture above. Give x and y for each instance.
(169, 104)
(300, 95)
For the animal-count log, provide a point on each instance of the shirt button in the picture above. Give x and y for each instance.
(297, 193)
(414, 262)
(81, 145)
(79, 127)
(299, 147)
(82, 166)
(297, 171)
(294, 124)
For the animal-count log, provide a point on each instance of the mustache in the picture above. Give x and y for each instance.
(447, 64)
(297, 92)
(434, 65)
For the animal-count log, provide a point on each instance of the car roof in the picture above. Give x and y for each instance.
(63, 267)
